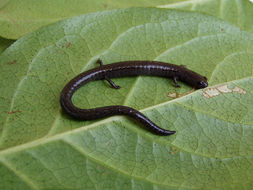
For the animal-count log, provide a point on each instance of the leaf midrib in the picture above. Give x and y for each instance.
(113, 41)
(60, 136)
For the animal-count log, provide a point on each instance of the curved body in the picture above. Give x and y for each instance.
(122, 69)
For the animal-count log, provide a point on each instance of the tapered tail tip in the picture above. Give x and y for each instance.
(169, 133)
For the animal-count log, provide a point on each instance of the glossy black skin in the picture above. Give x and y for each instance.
(123, 69)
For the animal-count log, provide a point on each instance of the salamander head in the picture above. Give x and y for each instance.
(202, 83)
(193, 79)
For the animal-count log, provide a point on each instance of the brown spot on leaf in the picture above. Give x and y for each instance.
(67, 46)
(13, 21)
(12, 62)
(16, 111)
(174, 150)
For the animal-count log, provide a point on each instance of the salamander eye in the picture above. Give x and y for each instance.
(202, 84)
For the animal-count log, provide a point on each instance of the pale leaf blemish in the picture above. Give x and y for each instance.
(210, 92)
(176, 95)
(173, 95)
(239, 90)
(223, 89)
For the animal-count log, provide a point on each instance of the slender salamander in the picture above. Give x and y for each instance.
(123, 69)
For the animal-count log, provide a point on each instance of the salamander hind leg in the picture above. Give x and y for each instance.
(112, 83)
(175, 81)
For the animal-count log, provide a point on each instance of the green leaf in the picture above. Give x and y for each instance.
(4, 43)
(41, 148)
(18, 18)
(237, 12)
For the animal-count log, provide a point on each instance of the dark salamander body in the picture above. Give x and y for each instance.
(123, 69)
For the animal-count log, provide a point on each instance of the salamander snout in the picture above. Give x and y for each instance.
(202, 83)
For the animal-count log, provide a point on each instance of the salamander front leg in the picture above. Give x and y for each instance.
(100, 62)
(175, 81)
(113, 85)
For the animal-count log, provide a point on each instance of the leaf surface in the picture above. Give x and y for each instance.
(41, 148)
(18, 18)
(237, 12)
